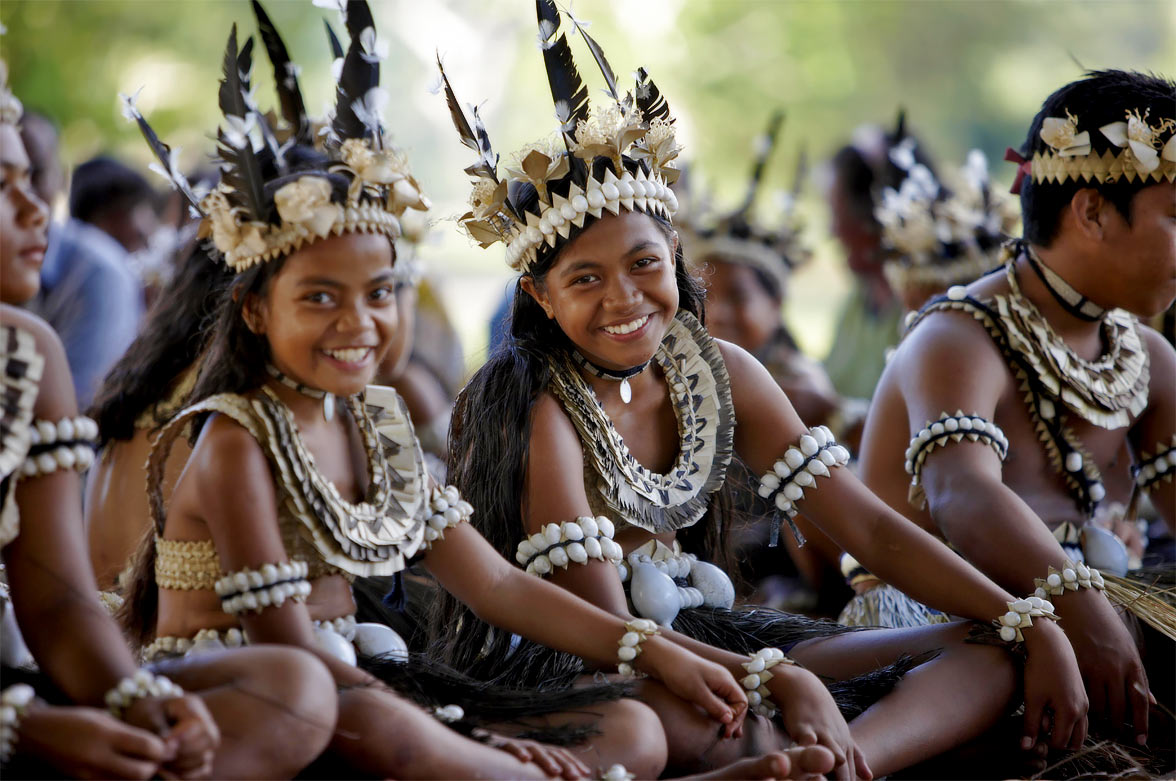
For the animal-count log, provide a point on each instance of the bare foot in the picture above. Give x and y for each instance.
(799, 762)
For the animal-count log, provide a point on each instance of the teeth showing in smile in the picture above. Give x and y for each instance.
(627, 328)
(349, 355)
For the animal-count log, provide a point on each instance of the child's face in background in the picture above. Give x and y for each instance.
(330, 314)
(739, 308)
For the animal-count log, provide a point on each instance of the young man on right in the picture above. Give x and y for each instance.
(1014, 407)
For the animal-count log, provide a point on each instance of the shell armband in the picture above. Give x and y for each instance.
(14, 702)
(560, 544)
(256, 589)
(66, 444)
(1071, 577)
(949, 428)
(447, 509)
(637, 632)
(802, 464)
(141, 685)
(1152, 469)
(758, 674)
(1020, 616)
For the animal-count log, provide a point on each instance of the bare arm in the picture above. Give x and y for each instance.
(949, 364)
(886, 543)
(1157, 424)
(239, 504)
(54, 593)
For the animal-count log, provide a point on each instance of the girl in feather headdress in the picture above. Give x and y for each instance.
(75, 701)
(303, 477)
(610, 400)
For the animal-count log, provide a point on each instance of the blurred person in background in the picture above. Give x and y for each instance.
(116, 199)
(933, 237)
(869, 321)
(88, 292)
(938, 234)
(745, 264)
(426, 365)
(147, 385)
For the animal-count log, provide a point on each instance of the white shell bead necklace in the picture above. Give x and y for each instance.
(621, 376)
(328, 399)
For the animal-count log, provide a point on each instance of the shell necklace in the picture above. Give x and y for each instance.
(328, 399)
(621, 376)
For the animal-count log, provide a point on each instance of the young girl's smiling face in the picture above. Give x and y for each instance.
(613, 290)
(330, 313)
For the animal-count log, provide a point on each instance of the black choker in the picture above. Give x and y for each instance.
(1071, 300)
(621, 376)
(327, 398)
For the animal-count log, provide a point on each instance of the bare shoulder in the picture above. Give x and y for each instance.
(948, 342)
(1162, 356)
(227, 461)
(56, 398)
(745, 371)
(553, 435)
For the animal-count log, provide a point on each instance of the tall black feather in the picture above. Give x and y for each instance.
(460, 123)
(649, 98)
(763, 154)
(358, 17)
(610, 78)
(359, 76)
(241, 169)
(163, 154)
(567, 89)
(899, 126)
(801, 171)
(336, 47)
(285, 78)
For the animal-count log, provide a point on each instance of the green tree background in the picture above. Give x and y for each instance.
(970, 73)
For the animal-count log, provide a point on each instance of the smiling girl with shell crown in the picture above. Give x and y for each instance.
(75, 702)
(302, 476)
(610, 401)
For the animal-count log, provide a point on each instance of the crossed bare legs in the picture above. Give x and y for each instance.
(919, 719)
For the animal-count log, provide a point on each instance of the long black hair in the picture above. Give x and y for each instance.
(488, 450)
(169, 341)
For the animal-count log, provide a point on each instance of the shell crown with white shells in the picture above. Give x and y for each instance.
(269, 201)
(1129, 136)
(609, 156)
(935, 234)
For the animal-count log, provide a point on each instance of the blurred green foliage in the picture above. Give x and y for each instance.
(970, 73)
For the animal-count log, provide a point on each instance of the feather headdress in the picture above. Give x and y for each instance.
(939, 237)
(607, 157)
(774, 248)
(264, 206)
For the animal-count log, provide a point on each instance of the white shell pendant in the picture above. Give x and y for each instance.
(626, 391)
(329, 407)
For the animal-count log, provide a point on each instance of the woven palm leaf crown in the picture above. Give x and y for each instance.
(1092, 133)
(607, 157)
(774, 247)
(267, 204)
(933, 235)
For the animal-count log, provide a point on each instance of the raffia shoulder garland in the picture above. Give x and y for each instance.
(21, 367)
(374, 537)
(701, 393)
(1107, 392)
